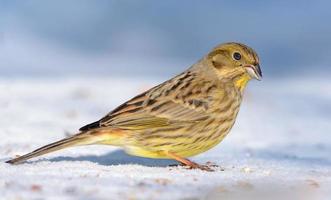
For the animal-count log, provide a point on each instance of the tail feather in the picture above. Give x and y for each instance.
(79, 139)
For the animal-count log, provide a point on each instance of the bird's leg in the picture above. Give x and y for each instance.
(187, 162)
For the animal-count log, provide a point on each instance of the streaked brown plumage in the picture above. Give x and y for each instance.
(182, 117)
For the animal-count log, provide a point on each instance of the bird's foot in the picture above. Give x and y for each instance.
(201, 167)
(193, 166)
(209, 166)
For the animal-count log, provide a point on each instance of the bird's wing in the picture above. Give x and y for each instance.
(143, 113)
(165, 113)
(165, 105)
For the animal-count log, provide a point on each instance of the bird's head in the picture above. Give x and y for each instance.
(235, 61)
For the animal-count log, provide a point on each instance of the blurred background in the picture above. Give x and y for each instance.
(66, 63)
(158, 38)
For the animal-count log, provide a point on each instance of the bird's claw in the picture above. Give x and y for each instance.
(210, 167)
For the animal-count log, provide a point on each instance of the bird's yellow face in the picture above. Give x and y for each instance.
(237, 62)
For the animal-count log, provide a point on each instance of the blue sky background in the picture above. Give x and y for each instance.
(155, 38)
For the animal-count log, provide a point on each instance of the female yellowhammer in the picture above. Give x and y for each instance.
(182, 117)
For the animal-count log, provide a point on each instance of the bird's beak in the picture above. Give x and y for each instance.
(254, 71)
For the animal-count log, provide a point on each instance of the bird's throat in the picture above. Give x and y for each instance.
(241, 81)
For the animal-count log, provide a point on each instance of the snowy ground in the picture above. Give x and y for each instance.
(280, 145)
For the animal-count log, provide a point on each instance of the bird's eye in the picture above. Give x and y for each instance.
(236, 56)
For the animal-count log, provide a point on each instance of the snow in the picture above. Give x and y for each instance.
(280, 144)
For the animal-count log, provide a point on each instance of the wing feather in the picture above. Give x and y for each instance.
(158, 107)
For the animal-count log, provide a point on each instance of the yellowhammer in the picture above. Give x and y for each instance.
(182, 117)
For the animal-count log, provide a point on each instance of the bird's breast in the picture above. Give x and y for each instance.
(226, 109)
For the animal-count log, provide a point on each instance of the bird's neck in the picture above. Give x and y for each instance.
(241, 81)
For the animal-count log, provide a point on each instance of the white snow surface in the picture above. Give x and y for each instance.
(280, 145)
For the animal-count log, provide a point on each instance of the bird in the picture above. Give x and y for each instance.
(179, 118)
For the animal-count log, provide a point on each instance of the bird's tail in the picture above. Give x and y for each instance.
(76, 140)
